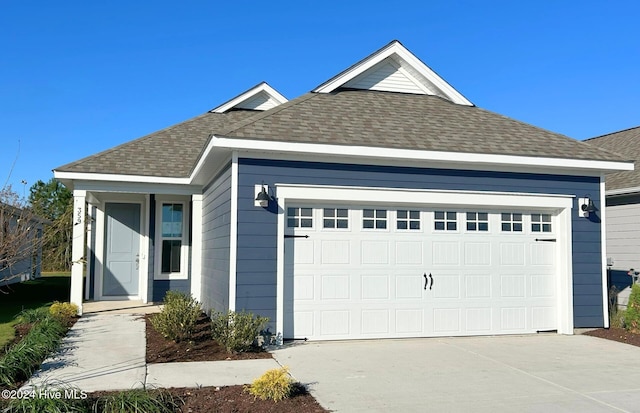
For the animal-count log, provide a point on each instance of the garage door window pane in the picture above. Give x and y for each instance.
(511, 222)
(445, 221)
(300, 217)
(374, 218)
(540, 222)
(408, 219)
(335, 218)
(477, 221)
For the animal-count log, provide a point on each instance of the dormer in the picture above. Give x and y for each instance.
(260, 97)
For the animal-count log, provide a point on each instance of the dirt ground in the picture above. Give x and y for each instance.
(232, 399)
(616, 334)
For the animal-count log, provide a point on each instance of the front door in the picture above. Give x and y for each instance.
(122, 250)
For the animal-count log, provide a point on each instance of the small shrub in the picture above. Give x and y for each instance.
(632, 315)
(33, 315)
(236, 331)
(273, 385)
(178, 317)
(65, 312)
(137, 400)
(616, 315)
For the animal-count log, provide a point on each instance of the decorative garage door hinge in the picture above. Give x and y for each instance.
(546, 240)
(296, 236)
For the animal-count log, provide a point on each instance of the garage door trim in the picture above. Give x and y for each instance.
(287, 193)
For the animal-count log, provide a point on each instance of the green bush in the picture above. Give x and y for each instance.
(616, 315)
(64, 312)
(23, 358)
(236, 331)
(137, 400)
(632, 315)
(33, 315)
(178, 317)
(273, 385)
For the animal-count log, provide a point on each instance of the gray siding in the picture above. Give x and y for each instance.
(257, 227)
(216, 239)
(623, 232)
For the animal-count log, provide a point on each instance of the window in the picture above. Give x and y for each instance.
(299, 217)
(540, 222)
(445, 221)
(335, 218)
(477, 221)
(511, 222)
(408, 219)
(172, 235)
(374, 218)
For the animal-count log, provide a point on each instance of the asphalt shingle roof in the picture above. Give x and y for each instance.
(349, 117)
(626, 142)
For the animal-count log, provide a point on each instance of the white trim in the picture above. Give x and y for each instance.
(79, 176)
(233, 233)
(100, 233)
(348, 195)
(78, 259)
(603, 252)
(144, 253)
(184, 249)
(459, 159)
(196, 246)
(623, 191)
(90, 230)
(273, 94)
(394, 48)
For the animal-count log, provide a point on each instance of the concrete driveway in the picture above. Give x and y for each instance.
(541, 373)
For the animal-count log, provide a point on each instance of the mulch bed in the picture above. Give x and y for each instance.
(200, 348)
(616, 334)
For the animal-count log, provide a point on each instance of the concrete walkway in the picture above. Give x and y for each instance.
(107, 352)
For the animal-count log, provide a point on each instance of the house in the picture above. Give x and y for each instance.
(20, 244)
(381, 204)
(623, 211)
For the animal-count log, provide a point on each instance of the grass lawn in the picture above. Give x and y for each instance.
(29, 294)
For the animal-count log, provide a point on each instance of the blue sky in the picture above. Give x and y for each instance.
(78, 77)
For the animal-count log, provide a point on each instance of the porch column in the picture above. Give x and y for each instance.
(196, 246)
(78, 247)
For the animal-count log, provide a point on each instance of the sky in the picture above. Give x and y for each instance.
(79, 77)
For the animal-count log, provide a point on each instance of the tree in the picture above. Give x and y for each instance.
(54, 202)
(19, 236)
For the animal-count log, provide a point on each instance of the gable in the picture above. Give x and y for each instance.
(393, 69)
(260, 97)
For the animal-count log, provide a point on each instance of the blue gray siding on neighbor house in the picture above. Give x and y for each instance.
(216, 238)
(257, 227)
(160, 287)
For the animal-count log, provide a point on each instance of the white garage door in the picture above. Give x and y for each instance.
(376, 272)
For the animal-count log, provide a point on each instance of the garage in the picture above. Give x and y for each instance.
(357, 271)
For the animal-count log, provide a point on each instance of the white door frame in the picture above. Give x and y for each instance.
(430, 198)
(101, 228)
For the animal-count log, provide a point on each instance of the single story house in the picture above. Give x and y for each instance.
(623, 211)
(20, 245)
(382, 204)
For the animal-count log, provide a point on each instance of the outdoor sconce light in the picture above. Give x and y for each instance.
(262, 197)
(585, 206)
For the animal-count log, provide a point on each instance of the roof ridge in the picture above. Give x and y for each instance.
(131, 142)
(612, 133)
(265, 114)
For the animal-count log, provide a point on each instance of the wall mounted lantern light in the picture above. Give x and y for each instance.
(585, 206)
(262, 196)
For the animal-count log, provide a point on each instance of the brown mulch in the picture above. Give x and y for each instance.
(616, 334)
(200, 348)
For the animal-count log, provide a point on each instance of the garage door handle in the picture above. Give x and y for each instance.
(426, 281)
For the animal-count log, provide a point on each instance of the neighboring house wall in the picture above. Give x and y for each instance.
(623, 241)
(216, 227)
(31, 266)
(257, 228)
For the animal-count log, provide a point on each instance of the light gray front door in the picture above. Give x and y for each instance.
(122, 249)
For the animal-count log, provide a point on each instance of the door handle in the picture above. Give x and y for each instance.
(137, 261)
(428, 279)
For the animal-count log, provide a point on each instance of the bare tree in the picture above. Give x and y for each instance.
(20, 237)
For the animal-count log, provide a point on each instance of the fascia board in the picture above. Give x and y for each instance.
(409, 154)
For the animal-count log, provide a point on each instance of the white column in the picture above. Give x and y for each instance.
(78, 247)
(196, 246)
